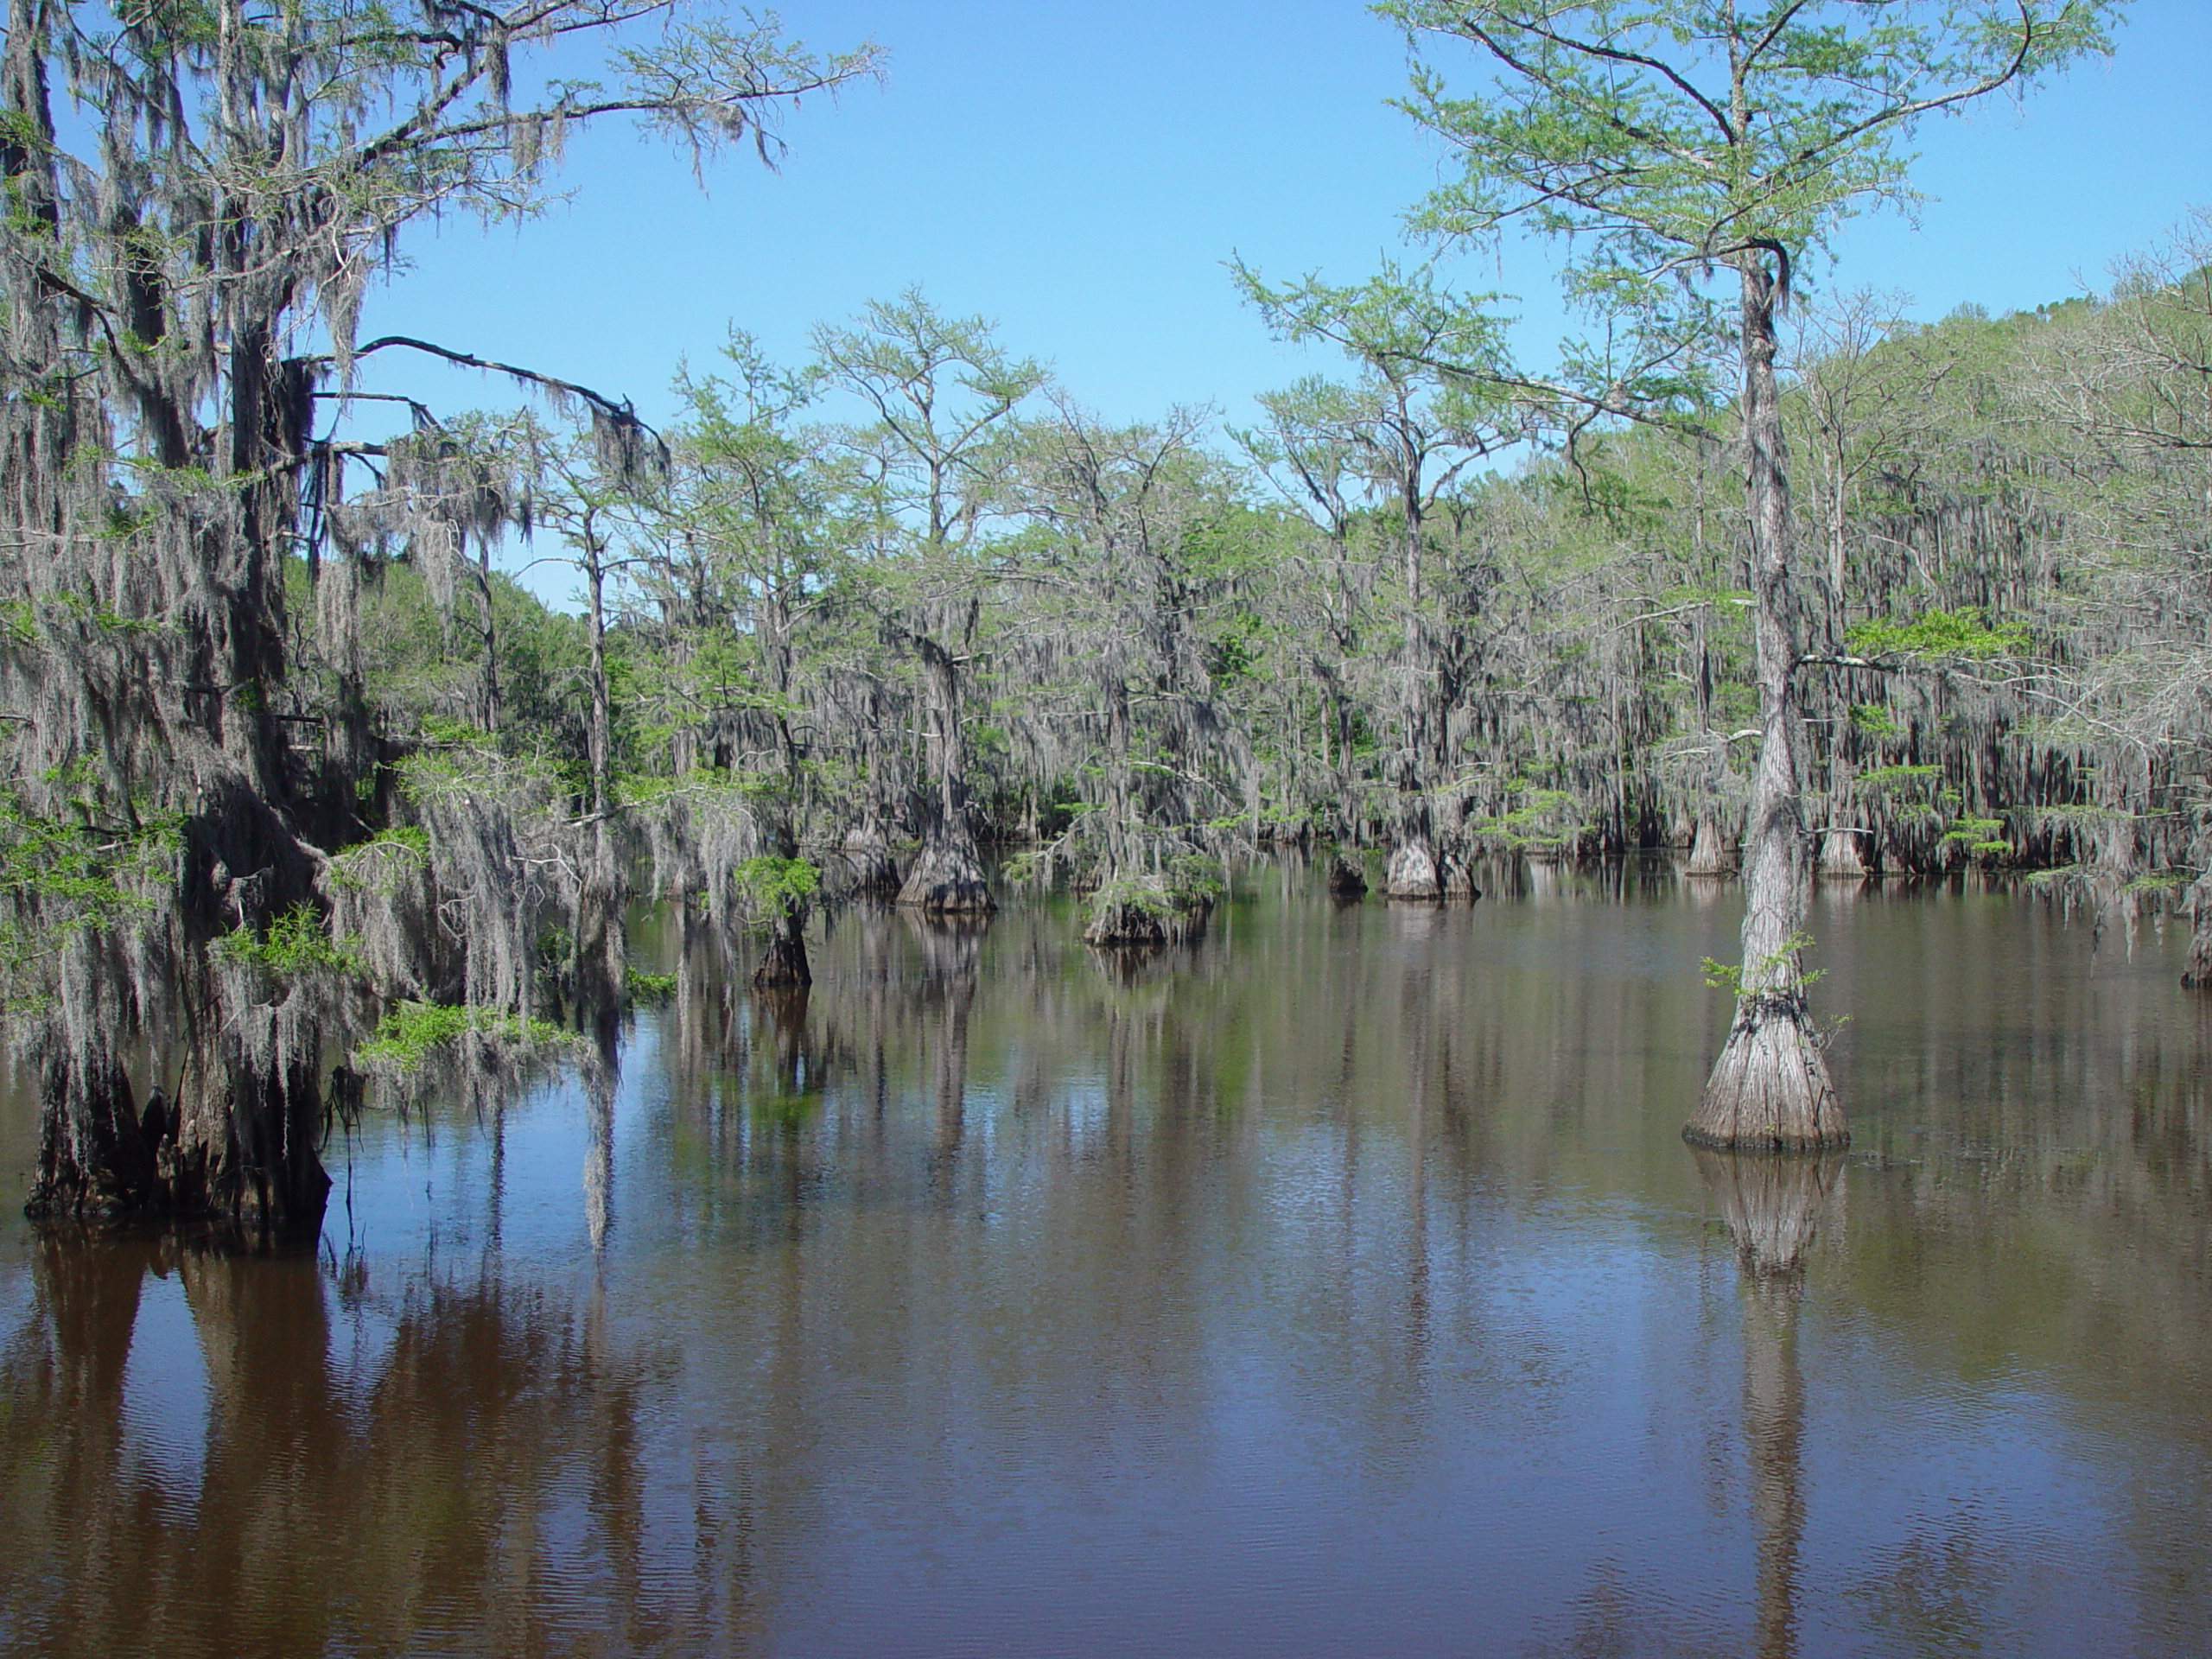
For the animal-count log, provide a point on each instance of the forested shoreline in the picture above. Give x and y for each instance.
(308, 803)
(2003, 618)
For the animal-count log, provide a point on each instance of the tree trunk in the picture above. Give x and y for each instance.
(1710, 854)
(1840, 856)
(785, 964)
(948, 876)
(489, 705)
(1415, 871)
(2197, 974)
(947, 872)
(1417, 866)
(1144, 913)
(97, 1155)
(600, 739)
(867, 851)
(1769, 1087)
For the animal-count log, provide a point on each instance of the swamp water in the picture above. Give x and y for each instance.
(1338, 1286)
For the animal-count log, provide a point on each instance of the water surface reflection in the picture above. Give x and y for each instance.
(1337, 1286)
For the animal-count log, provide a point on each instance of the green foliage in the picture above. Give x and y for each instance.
(1193, 879)
(2081, 812)
(1984, 835)
(381, 857)
(425, 672)
(777, 886)
(446, 733)
(1730, 978)
(645, 987)
(1145, 893)
(482, 769)
(411, 1033)
(1607, 128)
(1186, 885)
(1886, 779)
(295, 943)
(1546, 819)
(1957, 633)
(60, 877)
(2167, 882)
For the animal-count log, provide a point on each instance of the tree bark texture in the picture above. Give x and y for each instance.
(1841, 855)
(948, 876)
(1413, 871)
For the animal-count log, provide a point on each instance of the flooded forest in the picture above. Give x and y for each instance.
(1216, 929)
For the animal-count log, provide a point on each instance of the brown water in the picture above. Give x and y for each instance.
(1338, 1287)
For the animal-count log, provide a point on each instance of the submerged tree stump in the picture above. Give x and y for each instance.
(1144, 923)
(784, 965)
(1841, 855)
(1419, 868)
(1346, 879)
(1769, 1089)
(1710, 855)
(947, 876)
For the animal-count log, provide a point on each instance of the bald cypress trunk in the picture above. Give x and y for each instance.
(1416, 871)
(172, 705)
(1710, 854)
(2197, 974)
(948, 872)
(1840, 856)
(868, 853)
(1769, 1087)
(784, 964)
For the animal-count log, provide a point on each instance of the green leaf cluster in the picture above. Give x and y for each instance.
(777, 886)
(411, 1033)
(1963, 632)
(296, 943)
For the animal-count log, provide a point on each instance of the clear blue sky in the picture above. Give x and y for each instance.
(1080, 171)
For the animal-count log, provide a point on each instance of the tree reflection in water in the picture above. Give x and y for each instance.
(1773, 1206)
(1338, 1279)
(408, 1471)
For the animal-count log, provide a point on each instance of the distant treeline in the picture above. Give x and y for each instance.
(1122, 645)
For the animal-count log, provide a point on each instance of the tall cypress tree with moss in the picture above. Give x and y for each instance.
(1688, 152)
(198, 194)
